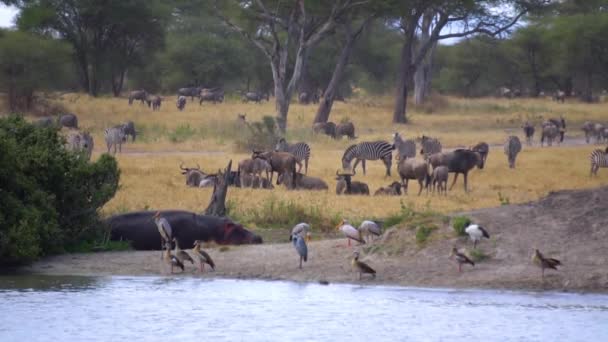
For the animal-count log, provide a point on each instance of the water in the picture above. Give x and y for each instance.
(43, 308)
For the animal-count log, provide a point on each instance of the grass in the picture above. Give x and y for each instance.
(154, 180)
(478, 255)
(460, 223)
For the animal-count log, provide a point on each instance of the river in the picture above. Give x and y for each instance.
(52, 308)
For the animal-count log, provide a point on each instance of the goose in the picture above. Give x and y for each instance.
(361, 267)
(476, 232)
(171, 260)
(368, 228)
(182, 255)
(302, 229)
(202, 256)
(461, 258)
(350, 232)
(165, 230)
(543, 262)
(299, 243)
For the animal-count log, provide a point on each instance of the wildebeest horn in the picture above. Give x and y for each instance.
(198, 167)
(181, 166)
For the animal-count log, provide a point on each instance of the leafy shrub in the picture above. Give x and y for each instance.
(182, 133)
(261, 135)
(423, 233)
(478, 255)
(49, 197)
(460, 223)
(504, 200)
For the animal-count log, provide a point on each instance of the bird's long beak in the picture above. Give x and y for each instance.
(308, 236)
(340, 224)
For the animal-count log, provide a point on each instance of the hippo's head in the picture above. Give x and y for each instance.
(235, 234)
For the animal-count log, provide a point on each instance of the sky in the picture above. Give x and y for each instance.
(7, 16)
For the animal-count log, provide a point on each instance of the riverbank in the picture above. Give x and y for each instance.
(568, 225)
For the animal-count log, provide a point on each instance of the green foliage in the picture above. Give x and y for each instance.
(260, 135)
(504, 200)
(49, 197)
(460, 223)
(423, 233)
(182, 133)
(478, 255)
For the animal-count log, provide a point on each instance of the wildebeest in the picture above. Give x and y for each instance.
(189, 91)
(439, 179)
(211, 95)
(253, 168)
(140, 95)
(413, 169)
(80, 142)
(254, 96)
(549, 132)
(483, 149)
(346, 186)
(254, 181)
(457, 161)
(181, 102)
(528, 132)
(308, 97)
(345, 129)
(305, 182)
(393, 189)
(194, 176)
(154, 101)
(68, 120)
(512, 148)
(129, 130)
(139, 229)
(327, 128)
(281, 162)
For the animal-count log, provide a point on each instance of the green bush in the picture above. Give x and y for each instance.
(460, 223)
(260, 135)
(423, 233)
(49, 197)
(182, 133)
(478, 255)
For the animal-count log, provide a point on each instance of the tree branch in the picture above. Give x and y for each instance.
(482, 27)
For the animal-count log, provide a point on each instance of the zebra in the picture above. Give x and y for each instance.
(599, 158)
(429, 146)
(512, 148)
(368, 151)
(115, 136)
(299, 150)
(405, 148)
(549, 131)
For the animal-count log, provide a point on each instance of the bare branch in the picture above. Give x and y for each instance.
(484, 28)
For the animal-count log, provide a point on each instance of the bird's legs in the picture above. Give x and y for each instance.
(475, 243)
(459, 267)
(348, 239)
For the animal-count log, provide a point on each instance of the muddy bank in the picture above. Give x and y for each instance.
(569, 225)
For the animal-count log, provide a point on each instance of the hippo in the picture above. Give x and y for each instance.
(139, 228)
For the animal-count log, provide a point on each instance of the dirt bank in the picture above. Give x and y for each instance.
(569, 225)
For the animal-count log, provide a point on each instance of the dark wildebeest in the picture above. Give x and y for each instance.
(189, 91)
(528, 132)
(327, 128)
(211, 95)
(280, 162)
(347, 129)
(141, 95)
(346, 186)
(139, 229)
(305, 182)
(439, 179)
(181, 102)
(393, 189)
(561, 127)
(412, 168)
(588, 129)
(254, 96)
(194, 176)
(129, 129)
(458, 161)
(306, 97)
(68, 120)
(483, 149)
(154, 101)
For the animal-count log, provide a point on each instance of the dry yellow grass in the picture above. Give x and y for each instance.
(154, 180)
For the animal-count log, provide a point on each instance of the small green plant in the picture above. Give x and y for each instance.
(344, 120)
(504, 200)
(460, 223)
(423, 233)
(182, 133)
(478, 255)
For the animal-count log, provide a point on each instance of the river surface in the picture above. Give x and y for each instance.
(50, 308)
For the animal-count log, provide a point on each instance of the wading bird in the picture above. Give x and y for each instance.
(300, 244)
(182, 255)
(165, 230)
(202, 256)
(543, 262)
(301, 229)
(476, 232)
(461, 258)
(170, 259)
(350, 232)
(370, 228)
(361, 267)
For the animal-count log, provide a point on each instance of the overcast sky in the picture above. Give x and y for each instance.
(7, 16)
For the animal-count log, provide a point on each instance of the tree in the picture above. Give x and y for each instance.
(532, 49)
(278, 28)
(29, 63)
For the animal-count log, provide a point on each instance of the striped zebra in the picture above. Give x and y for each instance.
(299, 150)
(115, 136)
(405, 148)
(363, 151)
(512, 148)
(429, 146)
(598, 159)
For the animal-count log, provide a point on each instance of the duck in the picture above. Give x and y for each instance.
(369, 228)
(171, 260)
(544, 263)
(361, 267)
(202, 256)
(182, 255)
(476, 233)
(299, 244)
(461, 258)
(350, 232)
(302, 229)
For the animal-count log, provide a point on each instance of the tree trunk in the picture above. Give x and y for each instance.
(422, 76)
(403, 76)
(217, 204)
(83, 65)
(118, 82)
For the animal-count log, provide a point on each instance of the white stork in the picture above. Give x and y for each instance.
(476, 232)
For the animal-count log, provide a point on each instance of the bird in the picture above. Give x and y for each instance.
(299, 243)
(202, 256)
(350, 232)
(368, 228)
(476, 232)
(543, 262)
(170, 259)
(361, 267)
(302, 229)
(165, 230)
(461, 258)
(182, 255)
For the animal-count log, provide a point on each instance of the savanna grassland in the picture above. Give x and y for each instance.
(152, 179)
